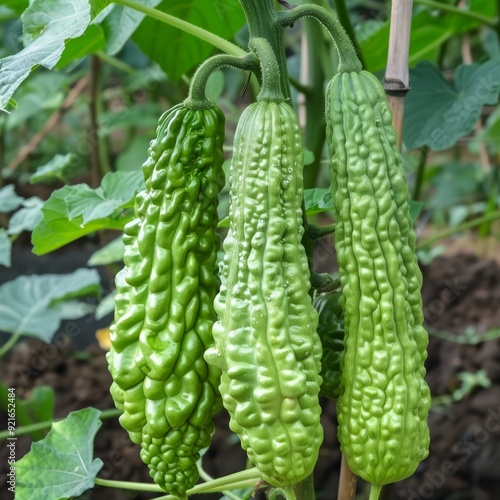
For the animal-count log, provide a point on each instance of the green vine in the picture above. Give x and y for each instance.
(215, 40)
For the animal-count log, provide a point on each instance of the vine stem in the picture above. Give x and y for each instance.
(241, 479)
(461, 12)
(197, 97)
(462, 227)
(271, 88)
(263, 23)
(375, 492)
(348, 60)
(9, 344)
(202, 34)
(28, 429)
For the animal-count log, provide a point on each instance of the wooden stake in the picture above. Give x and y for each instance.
(397, 78)
(347, 483)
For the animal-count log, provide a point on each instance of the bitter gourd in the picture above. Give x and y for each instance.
(384, 400)
(331, 333)
(164, 303)
(265, 338)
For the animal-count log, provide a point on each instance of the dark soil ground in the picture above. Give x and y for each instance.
(464, 461)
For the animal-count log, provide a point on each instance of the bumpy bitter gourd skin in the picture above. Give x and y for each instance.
(266, 340)
(164, 303)
(331, 333)
(384, 401)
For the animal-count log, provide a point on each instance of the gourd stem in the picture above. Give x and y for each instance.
(375, 492)
(271, 85)
(304, 490)
(348, 60)
(263, 23)
(197, 98)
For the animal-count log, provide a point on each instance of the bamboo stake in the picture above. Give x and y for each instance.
(397, 77)
(347, 482)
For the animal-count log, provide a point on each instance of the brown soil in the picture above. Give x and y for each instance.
(460, 291)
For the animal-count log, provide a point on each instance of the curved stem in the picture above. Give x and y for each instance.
(9, 344)
(202, 34)
(345, 20)
(197, 98)
(263, 22)
(348, 61)
(271, 83)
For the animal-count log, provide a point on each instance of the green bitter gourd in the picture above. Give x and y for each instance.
(164, 303)
(384, 400)
(266, 340)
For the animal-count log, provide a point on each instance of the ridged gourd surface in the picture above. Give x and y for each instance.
(266, 340)
(164, 303)
(384, 401)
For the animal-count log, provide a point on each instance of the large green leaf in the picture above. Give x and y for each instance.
(439, 113)
(108, 254)
(5, 248)
(27, 217)
(90, 42)
(9, 200)
(428, 32)
(47, 25)
(56, 230)
(61, 465)
(31, 305)
(55, 169)
(119, 24)
(176, 51)
(75, 211)
(117, 189)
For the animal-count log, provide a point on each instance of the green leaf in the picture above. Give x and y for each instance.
(120, 23)
(439, 113)
(134, 155)
(75, 211)
(317, 201)
(54, 169)
(17, 6)
(491, 43)
(26, 218)
(215, 86)
(90, 42)
(222, 17)
(105, 307)
(38, 407)
(56, 230)
(144, 116)
(454, 184)
(428, 33)
(5, 248)
(29, 304)
(9, 200)
(112, 252)
(415, 208)
(61, 465)
(42, 92)
(490, 134)
(116, 190)
(47, 25)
